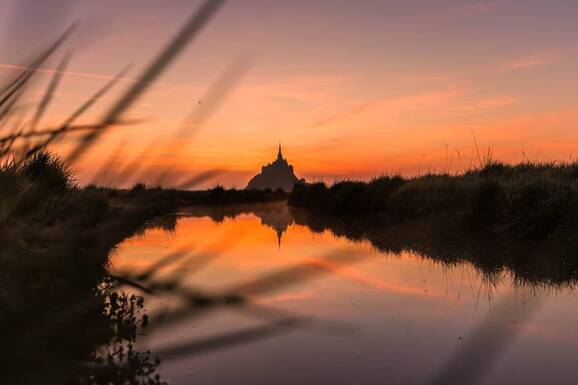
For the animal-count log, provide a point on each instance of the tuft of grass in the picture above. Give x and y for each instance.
(48, 171)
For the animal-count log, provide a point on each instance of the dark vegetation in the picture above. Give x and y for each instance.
(54, 245)
(549, 263)
(525, 201)
(171, 200)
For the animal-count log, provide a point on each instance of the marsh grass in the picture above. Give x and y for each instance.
(526, 200)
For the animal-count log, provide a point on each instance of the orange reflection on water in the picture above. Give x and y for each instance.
(243, 248)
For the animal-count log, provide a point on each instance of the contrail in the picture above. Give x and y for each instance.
(84, 75)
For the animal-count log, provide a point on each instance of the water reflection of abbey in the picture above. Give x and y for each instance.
(275, 215)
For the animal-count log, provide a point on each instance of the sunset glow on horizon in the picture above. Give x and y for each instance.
(352, 89)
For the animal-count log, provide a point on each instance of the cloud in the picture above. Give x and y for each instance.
(308, 88)
(392, 106)
(484, 103)
(91, 75)
(533, 61)
(450, 100)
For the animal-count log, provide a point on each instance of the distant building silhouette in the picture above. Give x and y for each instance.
(276, 175)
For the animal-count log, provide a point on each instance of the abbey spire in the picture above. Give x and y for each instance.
(279, 154)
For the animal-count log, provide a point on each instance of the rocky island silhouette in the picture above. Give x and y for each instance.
(276, 175)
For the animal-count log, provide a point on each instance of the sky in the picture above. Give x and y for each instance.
(352, 89)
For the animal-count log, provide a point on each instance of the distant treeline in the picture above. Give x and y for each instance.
(527, 200)
(173, 199)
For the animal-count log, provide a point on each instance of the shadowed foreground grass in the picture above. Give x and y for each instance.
(523, 201)
(60, 312)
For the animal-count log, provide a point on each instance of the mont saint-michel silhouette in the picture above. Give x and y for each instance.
(276, 175)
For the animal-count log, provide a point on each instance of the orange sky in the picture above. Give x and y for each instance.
(352, 89)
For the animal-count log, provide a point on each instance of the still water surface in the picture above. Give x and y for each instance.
(391, 318)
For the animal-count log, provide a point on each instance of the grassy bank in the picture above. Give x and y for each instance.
(58, 304)
(526, 201)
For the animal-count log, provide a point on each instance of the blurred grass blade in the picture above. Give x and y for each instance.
(202, 112)
(25, 76)
(130, 282)
(136, 164)
(215, 97)
(65, 127)
(49, 94)
(165, 261)
(199, 179)
(230, 339)
(290, 276)
(104, 170)
(196, 23)
(475, 358)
